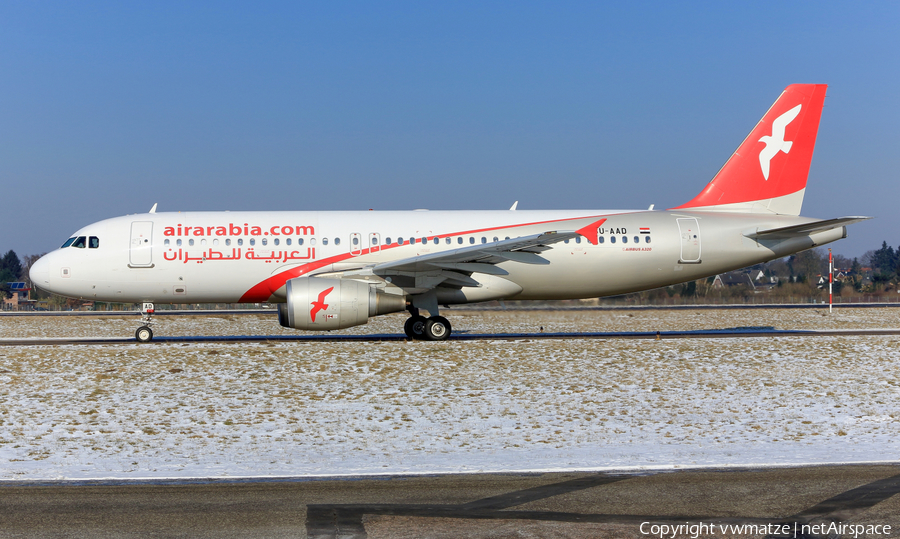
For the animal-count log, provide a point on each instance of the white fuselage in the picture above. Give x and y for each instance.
(200, 257)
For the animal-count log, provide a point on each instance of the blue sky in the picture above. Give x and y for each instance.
(109, 107)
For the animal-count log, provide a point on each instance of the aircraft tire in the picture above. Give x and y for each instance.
(415, 327)
(437, 328)
(143, 334)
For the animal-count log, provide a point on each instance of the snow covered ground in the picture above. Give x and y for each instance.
(276, 409)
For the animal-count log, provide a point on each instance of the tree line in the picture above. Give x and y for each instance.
(13, 270)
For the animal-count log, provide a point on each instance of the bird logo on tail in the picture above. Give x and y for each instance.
(319, 305)
(776, 143)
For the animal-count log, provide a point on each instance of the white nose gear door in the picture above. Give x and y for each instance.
(689, 229)
(140, 254)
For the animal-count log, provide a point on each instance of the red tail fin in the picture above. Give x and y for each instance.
(768, 172)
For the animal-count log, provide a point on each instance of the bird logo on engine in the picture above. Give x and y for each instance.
(319, 305)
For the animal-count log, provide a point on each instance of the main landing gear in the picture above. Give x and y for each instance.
(419, 328)
(144, 333)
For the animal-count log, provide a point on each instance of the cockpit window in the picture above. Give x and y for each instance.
(68, 242)
(94, 242)
(80, 242)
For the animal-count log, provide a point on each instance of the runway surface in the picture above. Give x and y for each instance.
(473, 505)
(385, 337)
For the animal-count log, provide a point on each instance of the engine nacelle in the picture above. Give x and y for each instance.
(318, 304)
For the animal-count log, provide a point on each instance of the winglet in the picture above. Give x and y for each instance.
(513, 208)
(153, 209)
(590, 232)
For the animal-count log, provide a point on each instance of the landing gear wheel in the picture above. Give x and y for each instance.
(143, 334)
(437, 328)
(415, 327)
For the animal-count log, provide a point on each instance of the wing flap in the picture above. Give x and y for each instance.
(473, 267)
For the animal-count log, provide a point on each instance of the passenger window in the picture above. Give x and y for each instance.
(227, 241)
(624, 239)
(436, 241)
(646, 239)
(300, 241)
(472, 240)
(355, 241)
(387, 240)
(459, 240)
(203, 242)
(612, 239)
(312, 241)
(191, 242)
(577, 239)
(412, 241)
(601, 239)
(424, 241)
(68, 242)
(80, 242)
(216, 241)
(275, 241)
(240, 241)
(399, 241)
(507, 237)
(483, 239)
(637, 239)
(178, 242)
(565, 241)
(94, 242)
(496, 238)
(166, 242)
(287, 241)
(324, 241)
(265, 241)
(337, 241)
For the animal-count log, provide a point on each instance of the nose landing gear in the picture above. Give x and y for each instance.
(144, 333)
(419, 328)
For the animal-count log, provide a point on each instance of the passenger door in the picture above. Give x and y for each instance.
(140, 254)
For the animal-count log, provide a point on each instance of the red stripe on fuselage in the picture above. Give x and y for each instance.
(262, 291)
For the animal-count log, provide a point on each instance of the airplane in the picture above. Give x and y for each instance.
(336, 269)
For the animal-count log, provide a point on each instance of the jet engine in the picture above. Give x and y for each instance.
(318, 304)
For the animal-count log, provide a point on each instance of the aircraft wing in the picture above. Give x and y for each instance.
(804, 229)
(454, 267)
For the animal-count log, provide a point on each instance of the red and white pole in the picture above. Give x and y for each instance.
(830, 280)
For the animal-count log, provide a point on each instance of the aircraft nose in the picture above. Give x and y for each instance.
(40, 273)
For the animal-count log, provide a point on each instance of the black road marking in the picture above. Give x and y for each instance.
(346, 520)
(845, 505)
(519, 497)
(390, 337)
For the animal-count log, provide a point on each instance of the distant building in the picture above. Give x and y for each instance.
(733, 278)
(20, 299)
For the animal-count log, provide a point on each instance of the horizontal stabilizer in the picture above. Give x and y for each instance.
(805, 229)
